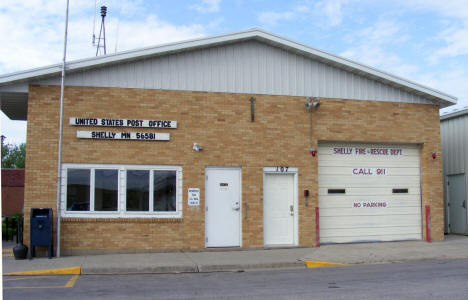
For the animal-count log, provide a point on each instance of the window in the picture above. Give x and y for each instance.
(116, 191)
(336, 191)
(137, 190)
(106, 190)
(164, 187)
(400, 191)
(78, 190)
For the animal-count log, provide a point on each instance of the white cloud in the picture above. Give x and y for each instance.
(456, 43)
(207, 6)
(32, 37)
(324, 12)
(332, 9)
(271, 18)
(455, 37)
(151, 31)
(452, 80)
(370, 46)
(448, 8)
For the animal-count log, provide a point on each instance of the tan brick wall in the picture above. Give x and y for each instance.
(221, 123)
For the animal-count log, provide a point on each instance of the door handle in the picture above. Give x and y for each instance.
(236, 206)
(291, 210)
(464, 204)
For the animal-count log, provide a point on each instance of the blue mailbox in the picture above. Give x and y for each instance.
(41, 230)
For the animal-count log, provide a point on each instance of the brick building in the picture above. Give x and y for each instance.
(12, 191)
(240, 140)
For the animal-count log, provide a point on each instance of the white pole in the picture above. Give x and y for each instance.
(59, 161)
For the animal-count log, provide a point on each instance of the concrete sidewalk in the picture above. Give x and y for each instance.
(211, 261)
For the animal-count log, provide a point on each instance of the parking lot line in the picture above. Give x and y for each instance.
(70, 283)
(29, 277)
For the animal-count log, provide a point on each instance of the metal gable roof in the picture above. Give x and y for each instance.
(14, 79)
(453, 114)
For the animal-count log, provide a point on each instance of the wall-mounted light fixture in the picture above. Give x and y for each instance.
(434, 155)
(312, 102)
(197, 148)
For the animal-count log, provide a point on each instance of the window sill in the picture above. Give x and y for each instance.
(121, 220)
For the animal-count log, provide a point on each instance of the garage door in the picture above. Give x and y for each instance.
(369, 193)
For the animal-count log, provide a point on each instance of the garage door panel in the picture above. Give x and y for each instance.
(338, 222)
(391, 202)
(367, 181)
(363, 191)
(389, 171)
(333, 160)
(328, 149)
(407, 210)
(366, 231)
(370, 238)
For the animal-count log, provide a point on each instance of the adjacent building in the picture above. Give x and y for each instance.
(12, 191)
(454, 132)
(243, 140)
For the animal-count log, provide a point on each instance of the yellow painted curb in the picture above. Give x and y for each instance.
(63, 271)
(319, 264)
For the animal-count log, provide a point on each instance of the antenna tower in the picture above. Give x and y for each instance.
(102, 33)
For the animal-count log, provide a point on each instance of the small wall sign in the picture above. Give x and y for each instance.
(193, 196)
(280, 169)
(368, 151)
(369, 172)
(370, 204)
(110, 135)
(123, 123)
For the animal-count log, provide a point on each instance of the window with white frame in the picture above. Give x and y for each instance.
(122, 190)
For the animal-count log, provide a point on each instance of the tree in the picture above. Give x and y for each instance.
(13, 156)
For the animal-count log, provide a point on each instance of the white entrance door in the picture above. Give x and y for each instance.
(222, 207)
(278, 209)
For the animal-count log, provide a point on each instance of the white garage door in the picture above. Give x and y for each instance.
(369, 193)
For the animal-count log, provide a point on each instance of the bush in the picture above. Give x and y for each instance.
(12, 225)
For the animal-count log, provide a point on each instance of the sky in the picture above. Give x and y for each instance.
(425, 41)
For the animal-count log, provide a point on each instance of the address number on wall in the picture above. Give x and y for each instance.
(280, 169)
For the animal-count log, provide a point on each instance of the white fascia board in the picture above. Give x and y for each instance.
(223, 39)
